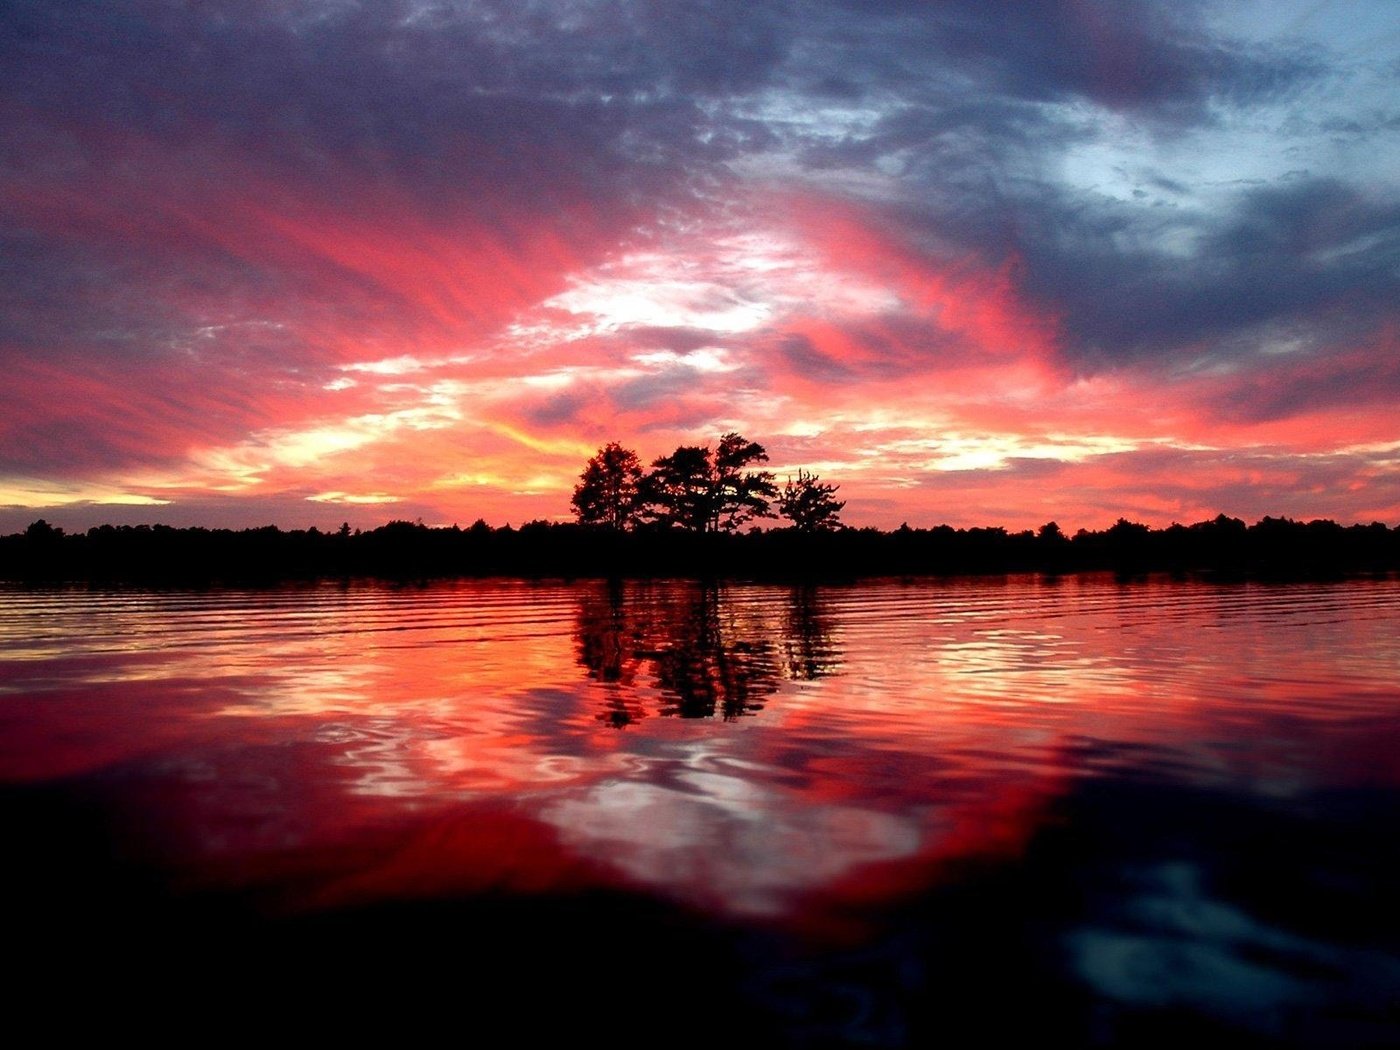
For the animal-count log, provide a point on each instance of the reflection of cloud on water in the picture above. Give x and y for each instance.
(725, 840)
(1176, 944)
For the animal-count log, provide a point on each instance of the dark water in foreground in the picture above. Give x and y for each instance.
(941, 813)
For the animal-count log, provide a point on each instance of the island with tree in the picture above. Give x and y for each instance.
(698, 512)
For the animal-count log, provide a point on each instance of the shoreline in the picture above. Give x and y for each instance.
(1223, 549)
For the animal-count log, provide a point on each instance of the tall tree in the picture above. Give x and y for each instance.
(711, 492)
(680, 488)
(610, 489)
(741, 494)
(810, 504)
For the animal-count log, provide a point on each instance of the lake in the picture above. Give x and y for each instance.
(887, 814)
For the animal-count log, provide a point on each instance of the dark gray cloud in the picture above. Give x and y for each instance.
(1313, 258)
(1132, 55)
(1365, 374)
(974, 107)
(1137, 56)
(679, 339)
(436, 92)
(801, 355)
(560, 408)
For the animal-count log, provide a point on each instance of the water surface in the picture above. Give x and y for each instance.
(888, 814)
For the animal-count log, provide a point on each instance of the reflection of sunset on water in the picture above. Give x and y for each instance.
(743, 747)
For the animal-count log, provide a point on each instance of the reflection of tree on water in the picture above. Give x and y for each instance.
(808, 650)
(711, 657)
(609, 641)
(709, 652)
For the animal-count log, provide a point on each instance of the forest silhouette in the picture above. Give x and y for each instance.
(404, 550)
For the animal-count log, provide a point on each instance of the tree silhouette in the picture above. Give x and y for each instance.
(680, 489)
(706, 492)
(810, 504)
(741, 494)
(610, 489)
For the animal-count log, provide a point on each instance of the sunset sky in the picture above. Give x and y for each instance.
(977, 261)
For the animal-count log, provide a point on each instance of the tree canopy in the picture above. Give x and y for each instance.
(810, 504)
(694, 488)
(706, 491)
(680, 489)
(610, 490)
(741, 494)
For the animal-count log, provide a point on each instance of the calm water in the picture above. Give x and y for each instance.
(884, 815)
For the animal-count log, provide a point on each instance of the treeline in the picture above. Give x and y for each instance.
(1271, 548)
